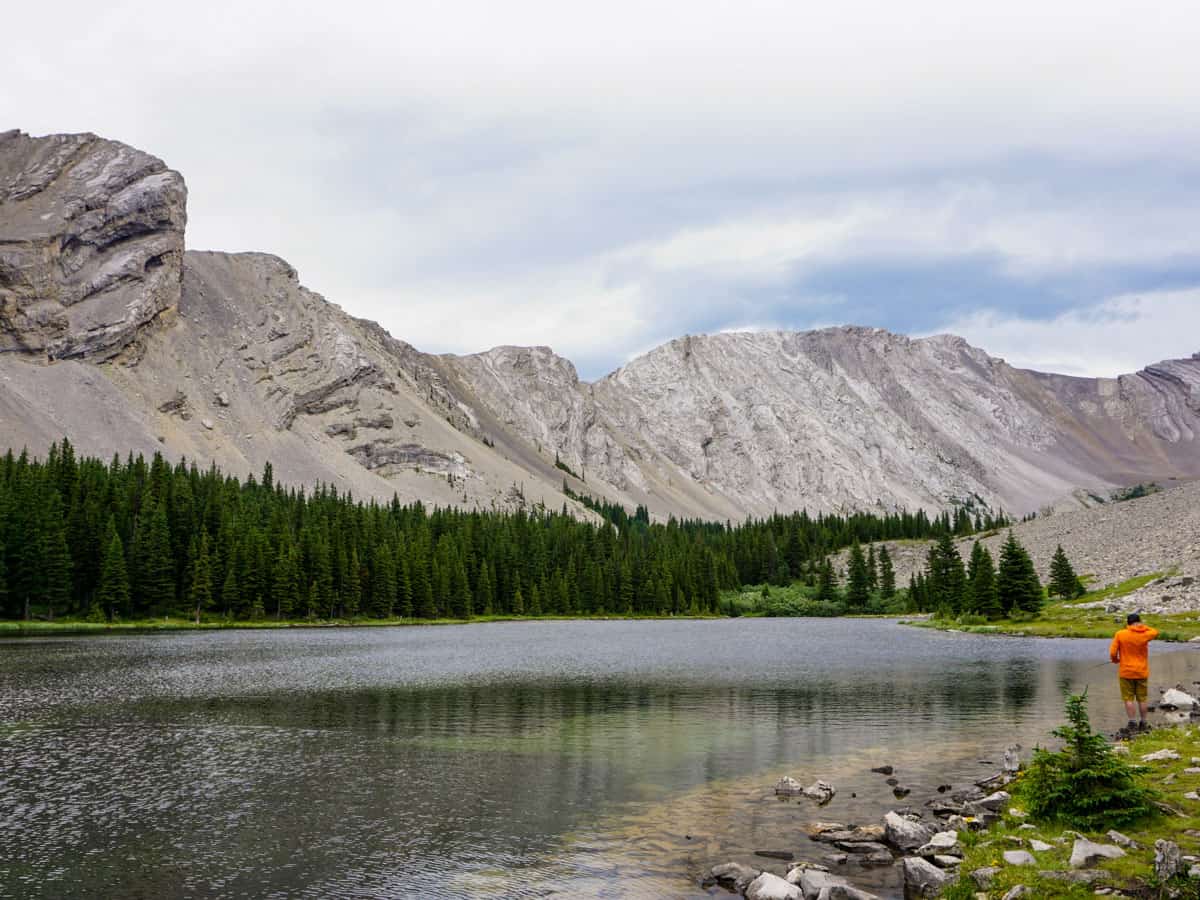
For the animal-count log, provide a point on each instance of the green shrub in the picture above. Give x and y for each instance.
(969, 619)
(1020, 615)
(1084, 785)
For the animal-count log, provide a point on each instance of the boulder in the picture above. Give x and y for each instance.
(812, 881)
(905, 834)
(1120, 750)
(984, 877)
(944, 842)
(942, 861)
(994, 802)
(1177, 699)
(820, 791)
(1012, 758)
(1121, 840)
(1019, 858)
(1167, 860)
(771, 887)
(884, 770)
(1086, 853)
(1018, 891)
(923, 879)
(733, 875)
(1164, 755)
(788, 786)
(1039, 846)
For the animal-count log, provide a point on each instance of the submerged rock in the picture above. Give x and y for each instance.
(733, 875)
(788, 786)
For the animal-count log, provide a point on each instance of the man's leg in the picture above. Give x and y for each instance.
(1142, 689)
(1131, 710)
(1129, 695)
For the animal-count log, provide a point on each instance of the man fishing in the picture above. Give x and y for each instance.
(1130, 650)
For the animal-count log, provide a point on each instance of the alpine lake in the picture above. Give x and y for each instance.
(521, 759)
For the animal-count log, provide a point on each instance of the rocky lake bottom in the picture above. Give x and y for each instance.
(604, 759)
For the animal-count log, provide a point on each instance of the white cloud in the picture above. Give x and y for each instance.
(1117, 336)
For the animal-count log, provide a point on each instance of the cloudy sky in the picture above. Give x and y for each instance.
(601, 177)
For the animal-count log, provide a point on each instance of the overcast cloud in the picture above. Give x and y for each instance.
(602, 177)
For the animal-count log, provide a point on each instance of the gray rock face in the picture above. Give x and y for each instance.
(843, 418)
(91, 244)
(1168, 860)
(93, 279)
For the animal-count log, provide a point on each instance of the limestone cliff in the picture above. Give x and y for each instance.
(112, 335)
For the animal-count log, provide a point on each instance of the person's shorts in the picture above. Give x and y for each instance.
(1133, 689)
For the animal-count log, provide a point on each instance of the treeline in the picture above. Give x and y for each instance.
(950, 589)
(130, 539)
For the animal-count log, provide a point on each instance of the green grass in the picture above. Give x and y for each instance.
(1133, 873)
(176, 623)
(1067, 619)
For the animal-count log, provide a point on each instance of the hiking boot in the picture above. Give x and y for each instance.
(1143, 726)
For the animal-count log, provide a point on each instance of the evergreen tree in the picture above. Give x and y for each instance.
(154, 566)
(827, 591)
(230, 588)
(112, 595)
(982, 596)
(887, 574)
(1017, 581)
(200, 595)
(858, 579)
(1064, 582)
(872, 570)
(56, 579)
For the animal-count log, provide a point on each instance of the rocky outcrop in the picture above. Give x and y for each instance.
(229, 358)
(91, 244)
(845, 418)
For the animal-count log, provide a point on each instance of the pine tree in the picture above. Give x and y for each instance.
(858, 579)
(112, 595)
(56, 557)
(946, 577)
(872, 570)
(887, 574)
(1017, 581)
(1064, 582)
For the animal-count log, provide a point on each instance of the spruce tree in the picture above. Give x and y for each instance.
(200, 595)
(858, 590)
(56, 558)
(827, 591)
(1017, 581)
(154, 565)
(1064, 582)
(872, 570)
(230, 589)
(984, 600)
(113, 592)
(887, 574)
(946, 577)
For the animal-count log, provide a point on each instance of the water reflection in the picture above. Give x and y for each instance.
(600, 759)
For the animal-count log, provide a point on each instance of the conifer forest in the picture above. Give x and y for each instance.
(131, 538)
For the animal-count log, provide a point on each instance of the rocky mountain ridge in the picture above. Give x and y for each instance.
(113, 335)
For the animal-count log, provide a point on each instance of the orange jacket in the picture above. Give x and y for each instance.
(1130, 647)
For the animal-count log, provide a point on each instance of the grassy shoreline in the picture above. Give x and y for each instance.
(1067, 619)
(1134, 873)
(176, 623)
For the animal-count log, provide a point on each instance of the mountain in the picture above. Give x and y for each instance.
(112, 334)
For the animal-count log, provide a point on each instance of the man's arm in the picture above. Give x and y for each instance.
(1114, 650)
(1153, 633)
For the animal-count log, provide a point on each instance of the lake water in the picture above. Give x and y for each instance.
(613, 759)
